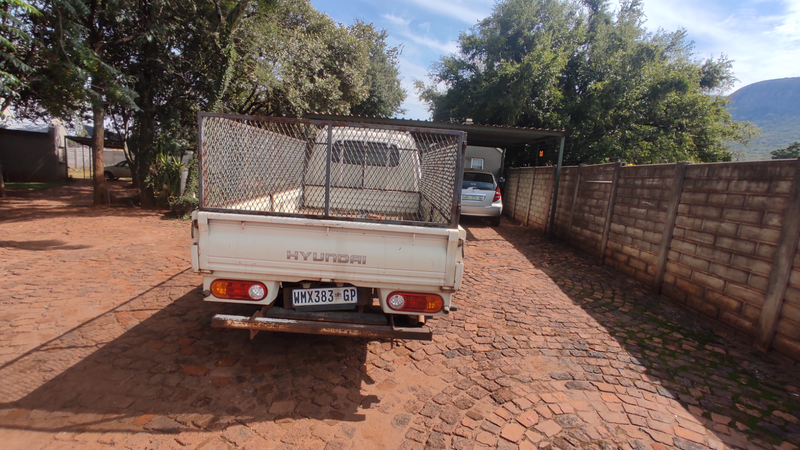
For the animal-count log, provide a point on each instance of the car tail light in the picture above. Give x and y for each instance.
(496, 195)
(422, 303)
(238, 290)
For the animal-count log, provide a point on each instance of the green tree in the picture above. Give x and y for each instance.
(383, 74)
(622, 94)
(79, 41)
(294, 59)
(792, 151)
(151, 65)
(14, 39)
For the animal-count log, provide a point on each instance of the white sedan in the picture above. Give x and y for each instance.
(118, 170)
(480, 196)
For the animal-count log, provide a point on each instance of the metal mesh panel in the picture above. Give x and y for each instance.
(328, 169)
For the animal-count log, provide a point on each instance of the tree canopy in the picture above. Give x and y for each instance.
(792, 151)
(151, 65)
(622, 94)
(15, 40)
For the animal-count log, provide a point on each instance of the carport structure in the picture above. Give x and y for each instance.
(477, 135)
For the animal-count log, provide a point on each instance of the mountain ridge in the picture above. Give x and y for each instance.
(773, 106)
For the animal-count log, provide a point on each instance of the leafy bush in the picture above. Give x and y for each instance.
(165, 177)
(184, 204)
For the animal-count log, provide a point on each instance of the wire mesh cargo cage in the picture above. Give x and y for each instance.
(330, 170)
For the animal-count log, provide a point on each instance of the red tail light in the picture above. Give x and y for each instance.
(496, 195)
(422, 303)
(238, 290)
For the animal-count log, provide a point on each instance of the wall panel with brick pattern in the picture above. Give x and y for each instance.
(569, 176)
(589, 217)
(510, 199)
(728, 225)
(787, 339)
(542, 198)
(643, 196)
(522, 194)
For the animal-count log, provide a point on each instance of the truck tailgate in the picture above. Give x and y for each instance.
(294, 249)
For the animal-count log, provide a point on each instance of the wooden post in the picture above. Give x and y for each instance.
(669, 224)
(781, 267)
(575, 198)
(530, 195)
(612, 200)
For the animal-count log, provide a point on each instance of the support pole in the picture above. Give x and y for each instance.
(781, 267)
(328, 172)
(551, 233)
(612, 200)
(516, 194)
(669, 225)
(575, 198)
(530, 196)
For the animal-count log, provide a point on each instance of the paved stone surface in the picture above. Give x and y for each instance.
(105, 342)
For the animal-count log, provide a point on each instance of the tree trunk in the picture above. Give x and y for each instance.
(134, 165)
(98, 141)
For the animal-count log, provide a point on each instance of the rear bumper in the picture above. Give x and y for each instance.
(370, 331)
(493, 210)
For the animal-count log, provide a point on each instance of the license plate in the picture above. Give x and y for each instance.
(472, 197)
(325, 296)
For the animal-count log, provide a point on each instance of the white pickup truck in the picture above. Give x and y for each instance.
(328, 227)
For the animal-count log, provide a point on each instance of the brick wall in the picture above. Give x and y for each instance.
(725, 235)
(510, 194)
(541, 198)
(588, 215)
(566, 190)
(787, 338)
(638, 222)
(523, 190)
(704, 235)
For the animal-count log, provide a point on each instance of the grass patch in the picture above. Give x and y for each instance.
(34, 186)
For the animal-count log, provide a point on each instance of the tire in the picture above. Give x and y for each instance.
(109, 176)
(495, 221)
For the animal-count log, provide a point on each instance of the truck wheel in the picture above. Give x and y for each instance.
(495, 222)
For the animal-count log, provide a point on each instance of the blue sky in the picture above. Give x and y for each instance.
(761, 36)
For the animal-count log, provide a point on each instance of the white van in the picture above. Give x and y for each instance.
(370, 170)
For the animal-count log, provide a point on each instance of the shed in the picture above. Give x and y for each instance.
(33, 155)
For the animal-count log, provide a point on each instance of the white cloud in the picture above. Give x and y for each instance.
(467, 11)
(396, 20)
(791, 21)
(402, 29)
(762, 46)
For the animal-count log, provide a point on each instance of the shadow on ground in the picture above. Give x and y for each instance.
(71, 199)
(164, 367)
(742, 396)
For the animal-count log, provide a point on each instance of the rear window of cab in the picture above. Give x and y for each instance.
(483, 181)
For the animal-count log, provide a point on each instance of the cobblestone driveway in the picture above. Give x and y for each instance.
(105, 342)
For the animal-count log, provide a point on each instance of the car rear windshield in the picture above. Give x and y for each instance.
(363, 153)
(483, 181)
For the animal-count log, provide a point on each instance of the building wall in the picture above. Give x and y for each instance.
(704, 235)
(31, 156)
(492, 158)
